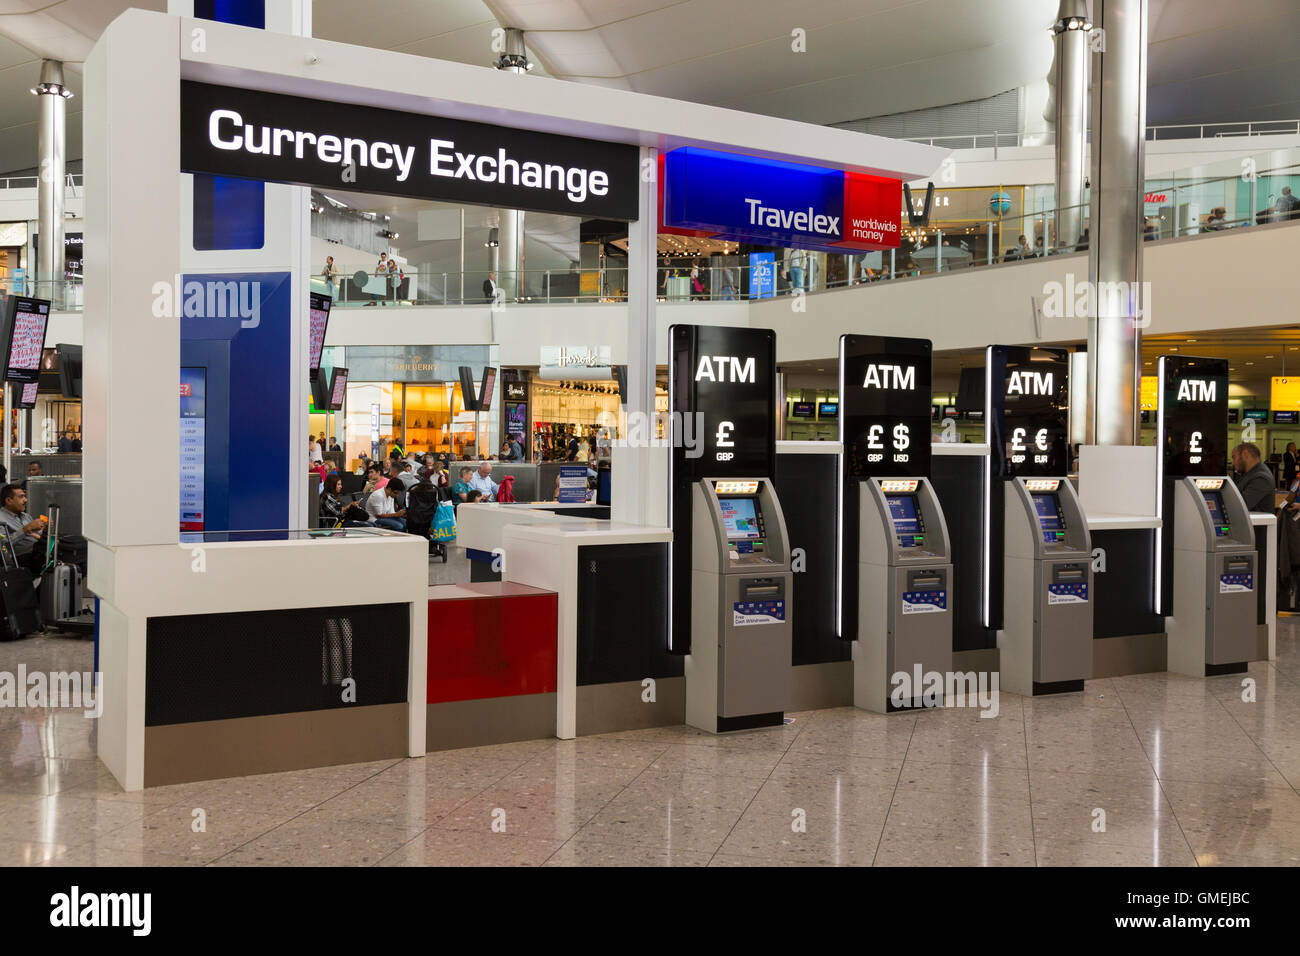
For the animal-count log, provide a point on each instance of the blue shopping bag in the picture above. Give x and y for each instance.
(444, 524)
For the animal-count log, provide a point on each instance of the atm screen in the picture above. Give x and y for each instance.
(1214, 501)
(1050, 520)
(902, 509)
(739, 518)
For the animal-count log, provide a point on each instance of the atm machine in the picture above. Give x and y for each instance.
(904, 583)
(1046, 640)
(738, 673)
(1211, 627)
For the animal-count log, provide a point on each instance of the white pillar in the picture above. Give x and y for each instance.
(642, 341)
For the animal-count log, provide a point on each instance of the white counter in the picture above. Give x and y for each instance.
(545, 555)
(1109, 521)
(479, 526)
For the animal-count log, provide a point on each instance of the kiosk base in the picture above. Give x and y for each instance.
(1217, 670)
(750, 722)
(1057, 687)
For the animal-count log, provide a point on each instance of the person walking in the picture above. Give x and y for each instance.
(329, 273)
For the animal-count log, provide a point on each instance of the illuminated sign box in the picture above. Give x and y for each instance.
(1285, 393)
(1150, 393)
(728, 196)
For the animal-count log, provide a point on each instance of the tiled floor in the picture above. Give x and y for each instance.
(1185, 771)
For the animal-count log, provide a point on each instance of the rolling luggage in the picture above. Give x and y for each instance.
(22, 615)
(60, 596)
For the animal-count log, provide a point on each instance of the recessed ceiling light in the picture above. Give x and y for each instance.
(1250, 363)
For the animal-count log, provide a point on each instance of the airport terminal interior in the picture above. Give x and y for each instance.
(706, 433)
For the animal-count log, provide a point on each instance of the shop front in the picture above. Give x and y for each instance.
(413, 397)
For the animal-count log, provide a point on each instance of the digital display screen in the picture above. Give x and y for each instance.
(486, 388)
(1285, 418)
(516, 418)
(902, 509)
(828, 409)
(27, 339)
(1050, 520)
(1234, 416)
(1214, 502)
(739, 518)
(339, 390)
(801, 410)
(1256, 415)
(27, 397)
(318, 316)
(193, 411)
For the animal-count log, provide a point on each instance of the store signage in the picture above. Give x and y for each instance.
(1154, 197)
(572, 484)
(516, 391)
(22, 330)
(762, 200)
(1029, 411)
(575, 356)
(1192, 427)
(253, 134)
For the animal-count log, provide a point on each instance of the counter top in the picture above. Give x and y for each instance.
(1257, 518)
(1106, 521)
(808, 448)
(581, 532)
(958, 448)
(481, 589)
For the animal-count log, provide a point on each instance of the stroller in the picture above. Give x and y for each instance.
(421, 511)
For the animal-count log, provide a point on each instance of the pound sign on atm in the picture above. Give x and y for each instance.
(1018, 439)
(1194, 446)
(1041, 439)
(724, 435)
(901, 437)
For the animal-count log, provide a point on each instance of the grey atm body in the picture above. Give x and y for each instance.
(1046, 640)
(1212, 622)
(904, 593)
(738, 674)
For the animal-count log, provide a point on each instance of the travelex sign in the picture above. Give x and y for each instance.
(252, 134)
(762, 200)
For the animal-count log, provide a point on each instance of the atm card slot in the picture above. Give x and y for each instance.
(763, 589)
(926, 582)
(1238, 565)
(1069, 574)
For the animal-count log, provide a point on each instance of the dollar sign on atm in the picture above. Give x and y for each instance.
(1041, 439)
(901, 439)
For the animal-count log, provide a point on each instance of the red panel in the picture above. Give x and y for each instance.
(872, 212)
(492, 647)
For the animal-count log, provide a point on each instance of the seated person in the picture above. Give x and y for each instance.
(382, 508)
(473, 495)
(333, 512)
(462, 488)
(374, 478)
(34, 470)
(24, 531)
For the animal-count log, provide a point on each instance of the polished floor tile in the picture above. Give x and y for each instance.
(1186, 772)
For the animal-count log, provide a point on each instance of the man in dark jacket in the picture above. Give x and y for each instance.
(1254, 480)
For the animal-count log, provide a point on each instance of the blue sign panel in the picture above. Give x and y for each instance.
(573, 484)
(762, 275)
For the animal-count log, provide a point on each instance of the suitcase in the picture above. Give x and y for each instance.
(22, 615)
(60, 592)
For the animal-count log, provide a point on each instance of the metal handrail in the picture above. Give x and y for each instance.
(1217, 131)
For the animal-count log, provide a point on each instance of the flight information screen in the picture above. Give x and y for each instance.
(1050, 520)
(739, 518)
(1214, 501)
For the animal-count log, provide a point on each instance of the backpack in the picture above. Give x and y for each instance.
(506, 490)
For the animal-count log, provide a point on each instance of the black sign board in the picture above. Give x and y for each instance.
(1192, 432)
(318, 142)
(1028, 413)
(1192, 427)
(722, 395)
(885, 388)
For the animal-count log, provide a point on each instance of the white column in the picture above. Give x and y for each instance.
(642, 244)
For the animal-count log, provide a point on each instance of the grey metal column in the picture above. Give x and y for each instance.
(1119, 81)
(510, 256)
(52, 141)
(1068, 81)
